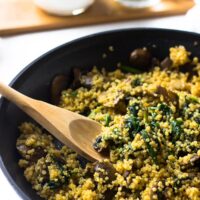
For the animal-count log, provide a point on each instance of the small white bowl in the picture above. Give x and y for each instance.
(138, 3)
(64, 7)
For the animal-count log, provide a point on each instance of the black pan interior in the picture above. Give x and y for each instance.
(35, 80)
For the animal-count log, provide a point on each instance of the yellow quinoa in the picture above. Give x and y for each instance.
(151, 135)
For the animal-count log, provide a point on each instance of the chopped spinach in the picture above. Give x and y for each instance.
(150, 149)
(192, 99)
(116, 131)
(136, 82)
(54, 184)
(188, 101)
(63, 178)
(161, 195)
(107, 120)
(57, 184)
(97, 144)
(154, 124)
(197, 120)
(176, 130)
(134, 109)
(165, 109)
(74, 93)
(146, 119)
(178, 182)
(130, 69)
(133, 124)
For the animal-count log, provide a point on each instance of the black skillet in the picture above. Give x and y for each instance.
(86, 52)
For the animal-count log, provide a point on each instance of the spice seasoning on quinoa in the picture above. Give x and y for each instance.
(153, 147)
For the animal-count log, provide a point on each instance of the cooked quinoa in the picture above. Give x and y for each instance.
(150, 133)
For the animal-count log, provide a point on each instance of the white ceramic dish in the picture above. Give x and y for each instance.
(64, 7)
(138, 3)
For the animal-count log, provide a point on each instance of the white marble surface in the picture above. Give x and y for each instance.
(18, 51)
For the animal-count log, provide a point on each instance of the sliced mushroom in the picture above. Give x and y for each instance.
(76, 82)
(110, 98)
(166, 63)
(141, 58)
(87, 81)
(121, 107)
(59, 83)
(126, 174)
(22, 149)
(109, 194)
(38, 153)
(168, 96)
(155, 62)
(106, 167)
(166, 191)
(195, 161)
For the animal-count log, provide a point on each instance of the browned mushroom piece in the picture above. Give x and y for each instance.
(126, 174)
(166, 63)
(166, 191)
(76, 81)
(87, 81)
(38, 153)
(59, 83)
(105, 169)
(121, 107)
(110, 193)
(190, 166)
(195, 161)
(141, 58)
(168, 96)
(155, 62)
(22, 149)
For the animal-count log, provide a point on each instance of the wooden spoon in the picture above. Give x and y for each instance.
(74, 130)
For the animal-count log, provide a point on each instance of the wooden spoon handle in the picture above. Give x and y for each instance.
(42, 112)
(33, 107)
(15, 96)
(70, 128)
(49, 116)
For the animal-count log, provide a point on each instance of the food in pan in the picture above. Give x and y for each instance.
(150, 112)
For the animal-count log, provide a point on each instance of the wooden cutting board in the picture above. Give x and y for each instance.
(20, 16)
